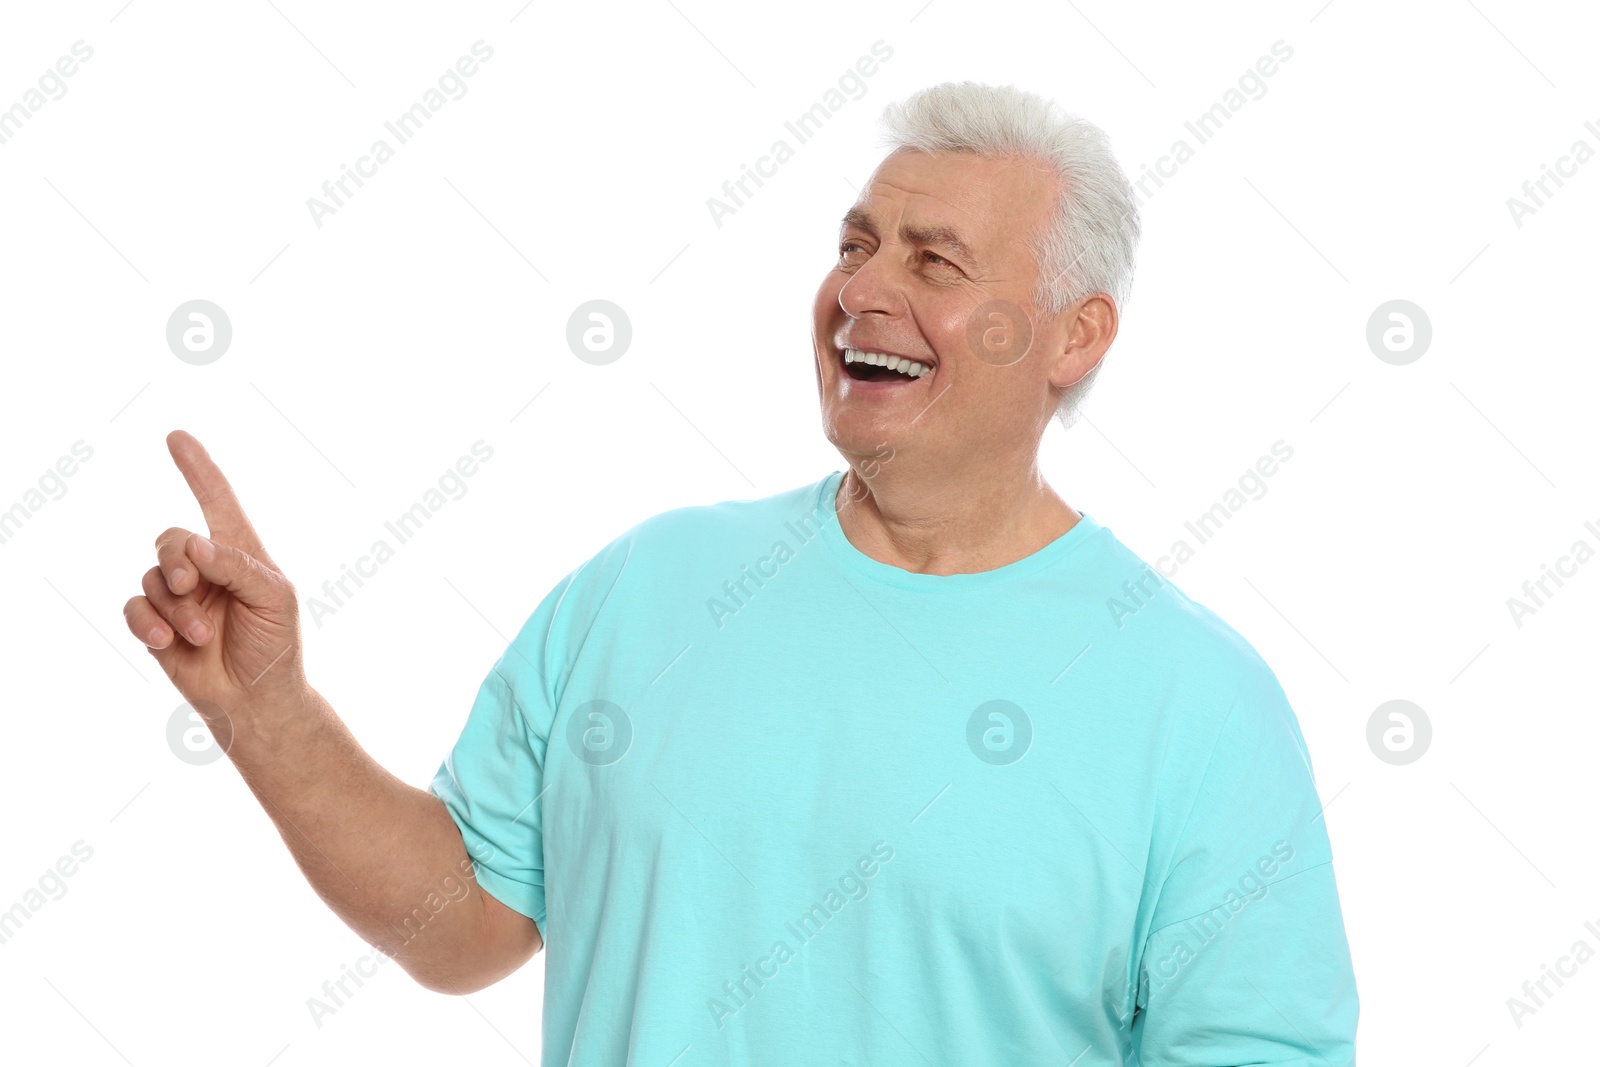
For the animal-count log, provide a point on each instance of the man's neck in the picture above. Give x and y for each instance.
(935, 524)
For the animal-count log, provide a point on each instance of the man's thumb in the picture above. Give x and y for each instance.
(236, 571)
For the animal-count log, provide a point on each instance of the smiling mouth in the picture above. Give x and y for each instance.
(878, 367)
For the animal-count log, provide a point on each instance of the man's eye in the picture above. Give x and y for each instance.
(846, 246)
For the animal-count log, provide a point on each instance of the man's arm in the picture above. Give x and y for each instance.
(222, 620)
(1247, 960)
(379, 851)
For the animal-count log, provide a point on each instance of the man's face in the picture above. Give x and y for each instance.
(934, 266)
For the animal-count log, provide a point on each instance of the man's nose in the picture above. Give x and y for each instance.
(878, 285)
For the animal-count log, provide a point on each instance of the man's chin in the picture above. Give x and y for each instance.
(866, 444)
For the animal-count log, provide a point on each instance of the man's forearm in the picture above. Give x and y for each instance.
(384, 855)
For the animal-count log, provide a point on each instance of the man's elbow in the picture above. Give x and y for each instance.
(506, 939)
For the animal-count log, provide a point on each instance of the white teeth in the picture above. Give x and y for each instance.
(878, 359)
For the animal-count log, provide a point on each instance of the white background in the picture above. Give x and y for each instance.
(430, 312)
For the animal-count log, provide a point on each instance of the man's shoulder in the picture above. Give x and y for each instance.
(1220, 699)
(677, 540)
(1171, 630)
(695, 525)
(661, 563)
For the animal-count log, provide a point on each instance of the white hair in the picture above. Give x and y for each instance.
(1088, 247)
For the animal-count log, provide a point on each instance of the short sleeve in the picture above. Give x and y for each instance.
(493, 778)
(1248, 961)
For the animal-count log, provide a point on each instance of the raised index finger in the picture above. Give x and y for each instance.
(225, 518)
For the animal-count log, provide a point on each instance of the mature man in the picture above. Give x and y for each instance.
(865, 771)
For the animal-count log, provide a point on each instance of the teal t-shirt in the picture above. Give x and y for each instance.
(772, 801)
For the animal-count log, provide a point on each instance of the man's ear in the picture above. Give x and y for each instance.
(1093, 326)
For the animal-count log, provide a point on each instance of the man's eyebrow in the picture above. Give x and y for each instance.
(932, 235)
(857, 218)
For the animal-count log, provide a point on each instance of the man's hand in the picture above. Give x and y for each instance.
(217, 613)
(372, 846)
